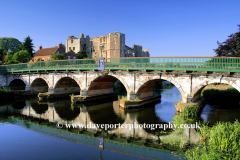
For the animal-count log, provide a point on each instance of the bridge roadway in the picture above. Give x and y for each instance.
(138, 75)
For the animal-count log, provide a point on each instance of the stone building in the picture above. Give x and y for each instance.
(79, 44)
(113, 46)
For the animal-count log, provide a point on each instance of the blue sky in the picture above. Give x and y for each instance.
(167, 28)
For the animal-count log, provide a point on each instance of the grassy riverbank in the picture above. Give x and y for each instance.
(222, 141)
(6, 95)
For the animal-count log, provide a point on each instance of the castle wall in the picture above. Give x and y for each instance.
(113, 46)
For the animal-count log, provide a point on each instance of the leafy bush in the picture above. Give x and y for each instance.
(222, 141)
(226, 97)
(190, 110)
(136, 99)
(123, 99)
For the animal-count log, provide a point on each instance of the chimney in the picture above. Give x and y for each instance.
(40, 47)
(59, 45)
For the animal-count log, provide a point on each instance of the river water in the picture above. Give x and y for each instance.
(30, 129)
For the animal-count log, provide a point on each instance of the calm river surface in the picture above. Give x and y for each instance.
(28, 129)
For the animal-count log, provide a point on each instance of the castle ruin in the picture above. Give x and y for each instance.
(113, 46)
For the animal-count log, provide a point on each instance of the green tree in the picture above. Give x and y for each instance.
(9, 59)
(28, 45)
(230, 47)
(58, 57)
(63, 47)
(2, 53)
(21, 47)
(21, 57)
(82, 55)
(9, 44)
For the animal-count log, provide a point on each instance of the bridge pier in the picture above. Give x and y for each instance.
(131, 96)
(84, 93)
(89, 96)
(51, 90)
(196, 99)
(28, 88)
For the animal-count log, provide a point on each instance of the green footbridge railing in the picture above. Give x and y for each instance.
(214, 64)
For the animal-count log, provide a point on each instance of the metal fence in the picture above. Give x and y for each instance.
(218, 64)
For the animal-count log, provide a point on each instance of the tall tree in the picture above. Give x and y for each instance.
(2, 53)
(9, 44)
(28, 45)
(230, 47)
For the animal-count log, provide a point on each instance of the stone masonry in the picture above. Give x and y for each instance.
(113, 46)
(138, 84)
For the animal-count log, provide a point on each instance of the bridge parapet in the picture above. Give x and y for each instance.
(213, 64)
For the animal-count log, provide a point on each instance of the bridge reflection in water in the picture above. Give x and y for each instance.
(86, 115)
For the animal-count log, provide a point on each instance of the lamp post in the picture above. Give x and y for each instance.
(101, 46)
(101, 60)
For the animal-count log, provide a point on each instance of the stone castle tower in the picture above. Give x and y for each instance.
(79, 44)
(113, 46)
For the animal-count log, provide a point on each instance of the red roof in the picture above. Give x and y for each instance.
(46, 51)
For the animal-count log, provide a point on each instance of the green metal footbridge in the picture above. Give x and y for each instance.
(212, 64)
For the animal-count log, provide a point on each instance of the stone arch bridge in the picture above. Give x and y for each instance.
(139, 83)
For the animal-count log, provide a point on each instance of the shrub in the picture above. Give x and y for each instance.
(222, 142)
(136, 99)
(227, 97)
(123, 99)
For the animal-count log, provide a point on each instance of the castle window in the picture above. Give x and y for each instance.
(73, 48)
(71, 41)
(69, 48)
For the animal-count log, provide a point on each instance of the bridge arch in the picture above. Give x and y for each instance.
(103, 113)
(67, 84)
(39, 85)
(43, 78)
(107, 82)
(198, 89)
(19, 79)
(17, 84)
(65, 111)
(39, 108)
(19, 105)
(147, 81)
